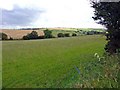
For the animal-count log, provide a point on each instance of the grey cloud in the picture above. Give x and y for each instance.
(20, 16)
(109, 0)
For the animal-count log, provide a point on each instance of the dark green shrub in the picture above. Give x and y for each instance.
(67, 35)
(74, 34)
(11, 38)
(26, 37)
(41, 37)
(60, 35)
(90, 32)
(3, 36)
(48, 33)
(32, 35)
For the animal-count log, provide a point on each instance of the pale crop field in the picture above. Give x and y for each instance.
(18, 34)
(48, 63)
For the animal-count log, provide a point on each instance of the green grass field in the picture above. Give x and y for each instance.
(48, 63)
(55, 31)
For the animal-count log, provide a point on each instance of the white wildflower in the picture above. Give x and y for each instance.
(98, 56)
(95, 54)
(99, 59)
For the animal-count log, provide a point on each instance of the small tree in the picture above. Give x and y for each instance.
(67, 35)
(108, 14)
(11, 38)
(32, 35)
(26, 37)
(4, 36)
(41, 37)
(48, 33)
(60, 35)
(74, 34)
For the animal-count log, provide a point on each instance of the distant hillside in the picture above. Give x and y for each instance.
(18, 34)
(75, 29)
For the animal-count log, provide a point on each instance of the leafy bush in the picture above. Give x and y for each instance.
(32, 35)
(67, 35)
(74, 34)
(90, 33)
(48, 33)
(104, 71)
(26, 37)
(60, 35)
(4, 36)
(11, 38)
(41, 37)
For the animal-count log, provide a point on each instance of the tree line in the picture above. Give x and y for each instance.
(48, 34)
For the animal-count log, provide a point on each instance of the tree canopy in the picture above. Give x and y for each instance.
(108, 14)
(32, 35)
(48, 33)
(3, 36)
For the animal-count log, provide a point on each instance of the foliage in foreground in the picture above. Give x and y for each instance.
(108, 14)
(101, 73)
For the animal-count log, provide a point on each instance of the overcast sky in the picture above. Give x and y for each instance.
(47, 13)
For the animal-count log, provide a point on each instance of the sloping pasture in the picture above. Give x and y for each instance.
(44, 63)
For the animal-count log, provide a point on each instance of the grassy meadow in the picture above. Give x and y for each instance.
(51, 63)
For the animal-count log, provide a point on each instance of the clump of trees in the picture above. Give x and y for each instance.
(63, 35)
(108, 14)
(3, 36)
(89, 32)
(74, 34)
(48, 33)
(25, 37)
(41, 37)
(32, 35)
(11, 38)
(60, 35)
(93, 32)
(67, 35)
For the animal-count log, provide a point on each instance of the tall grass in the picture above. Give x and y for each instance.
(100, 73)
